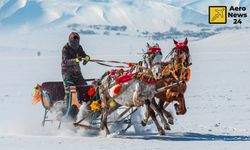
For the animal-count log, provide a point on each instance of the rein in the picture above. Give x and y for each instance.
(113, 66)
(111, 61)
(129, 64)
(169, 54)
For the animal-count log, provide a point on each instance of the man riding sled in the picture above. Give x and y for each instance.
(72, 55)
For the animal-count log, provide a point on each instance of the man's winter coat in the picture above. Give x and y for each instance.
(69, 55)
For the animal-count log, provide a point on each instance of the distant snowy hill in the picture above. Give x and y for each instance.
(151, 15)
(45, 24)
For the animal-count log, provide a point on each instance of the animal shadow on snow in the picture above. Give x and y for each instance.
(188, 136)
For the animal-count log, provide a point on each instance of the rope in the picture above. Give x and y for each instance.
(169, 54)
(111, 61)
(90, 79)
(102, 62)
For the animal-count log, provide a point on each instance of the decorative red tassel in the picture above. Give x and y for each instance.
(121, 70)
(154, 50)
(117, 89)
(130, 64)
(91, 91)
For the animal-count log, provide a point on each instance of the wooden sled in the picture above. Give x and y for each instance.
(52, 93)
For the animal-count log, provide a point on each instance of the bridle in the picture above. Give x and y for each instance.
(151, 58)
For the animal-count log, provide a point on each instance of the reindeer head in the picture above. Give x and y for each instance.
(181, 45)
(180, 53)
(152, 59)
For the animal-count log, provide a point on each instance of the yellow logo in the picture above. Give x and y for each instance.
(217, 14)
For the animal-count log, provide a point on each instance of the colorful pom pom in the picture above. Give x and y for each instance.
(91, 91)
(95, 106)
(117, 89)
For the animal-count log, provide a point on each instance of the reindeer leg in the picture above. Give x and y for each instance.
(181, 107)
(166, 113)
(105, 113)
(102, 124)
(169, 116)
(152, 115)
(145, 118)
(158, 110)
(105, 121)
(137, 96)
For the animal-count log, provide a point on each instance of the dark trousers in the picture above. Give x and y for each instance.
(74, 79)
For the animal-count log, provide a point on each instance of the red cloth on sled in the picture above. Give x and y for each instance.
(117, 89)
(124, 78)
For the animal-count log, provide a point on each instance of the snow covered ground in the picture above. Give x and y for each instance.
(217, 97)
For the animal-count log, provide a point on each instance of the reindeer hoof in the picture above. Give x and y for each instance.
(101, 127)
(171, 121)
(75, 124)
(143, 123)
(167, 127)
(178, 113)
(161, 132)
(107, 133)
(175, 106)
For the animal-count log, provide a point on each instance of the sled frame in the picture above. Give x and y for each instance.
(123, 118)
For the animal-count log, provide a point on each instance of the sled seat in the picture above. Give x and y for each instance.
(51, 93)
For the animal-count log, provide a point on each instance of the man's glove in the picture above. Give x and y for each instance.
(78, 59)
(85, 60)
